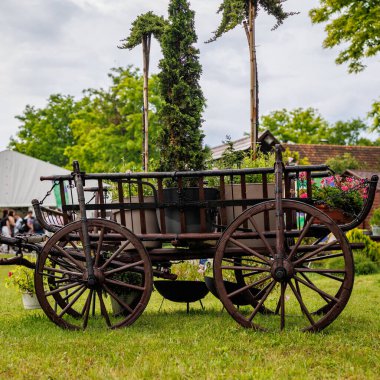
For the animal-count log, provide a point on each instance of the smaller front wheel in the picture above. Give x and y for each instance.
(123, 276)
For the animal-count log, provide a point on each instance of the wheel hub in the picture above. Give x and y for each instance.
(282, 270)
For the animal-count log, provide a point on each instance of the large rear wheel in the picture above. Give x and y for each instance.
(307, 288)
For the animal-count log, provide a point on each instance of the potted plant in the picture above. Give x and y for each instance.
(22, 278)
(181, 138)
(341, 198)
(375, 222)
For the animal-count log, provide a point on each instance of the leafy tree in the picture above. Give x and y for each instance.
(106, 128)
(346, 132)
(353, 24)
(302, 126)
(183, 102)
(374, 114)
(45, 133)
(244, 12)
(143, 28)
(307, 126)
(341, 163)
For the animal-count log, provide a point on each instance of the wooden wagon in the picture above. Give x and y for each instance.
(291, 263)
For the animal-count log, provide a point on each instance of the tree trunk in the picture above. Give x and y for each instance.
(145, 140)
(253, 70)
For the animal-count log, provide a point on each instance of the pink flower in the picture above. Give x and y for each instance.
(303, 195)
(344, 188)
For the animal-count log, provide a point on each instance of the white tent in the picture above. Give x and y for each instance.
(20, 179)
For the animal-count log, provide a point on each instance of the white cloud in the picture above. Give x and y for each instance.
(65, 46)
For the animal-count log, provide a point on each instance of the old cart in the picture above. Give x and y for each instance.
(291, 262)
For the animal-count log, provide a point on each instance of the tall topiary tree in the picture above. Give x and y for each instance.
(244, 12)
(143, 28)
(183, 101)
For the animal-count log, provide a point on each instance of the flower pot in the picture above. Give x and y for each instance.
(133, 221)
(375, 230)
(192, 214)
(129, 298)
(30, 301)
(337, 215)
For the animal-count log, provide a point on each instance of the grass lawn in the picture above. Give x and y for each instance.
(202, 345)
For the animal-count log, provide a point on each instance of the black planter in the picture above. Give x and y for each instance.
(244, 298)
(192, 214)
(182, 291)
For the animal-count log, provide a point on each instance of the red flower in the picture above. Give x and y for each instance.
(10, 274)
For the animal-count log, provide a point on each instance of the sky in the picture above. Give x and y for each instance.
(66, 46)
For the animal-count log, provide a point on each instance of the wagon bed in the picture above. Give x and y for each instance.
(287, 258)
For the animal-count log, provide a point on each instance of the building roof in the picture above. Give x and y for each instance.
(265, 139)
(367, 156)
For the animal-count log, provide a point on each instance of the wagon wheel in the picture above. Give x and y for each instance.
(313, 276)
(123, 276)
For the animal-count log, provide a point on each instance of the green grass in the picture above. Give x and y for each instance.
(202, 345)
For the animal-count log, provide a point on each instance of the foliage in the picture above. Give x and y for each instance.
(236, 12)
(46, 132)
(307, 126)
(341, 163)
(21, 278)
(375, 218)
(145, 24)
(374, 114)
(180, 141)
(347, 194)
(187, 270)
(107, 128)
(352, 24)
(367, 260)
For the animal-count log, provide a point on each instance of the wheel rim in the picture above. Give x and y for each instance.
(122, 270)
(307, 290)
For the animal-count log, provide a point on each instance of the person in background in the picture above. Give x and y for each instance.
(11, 222)
(18, 224)
(29, 221)
(5, 231)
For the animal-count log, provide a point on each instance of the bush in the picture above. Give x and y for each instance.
(367, 260)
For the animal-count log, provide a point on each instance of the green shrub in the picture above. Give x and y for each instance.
(367, 260)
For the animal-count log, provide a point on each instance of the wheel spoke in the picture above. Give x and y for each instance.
(100, 244)
(244, 267)
(63, 288)
(249, 250)
(247, 287)
(262, 300)
(321, 292)
(62, 271)
(125, 284)
(116, 298)
(326, 257)
(125, 267)
(304, 231)
(282, 304)
(311, 283)
(71, 303)
(72, 293)
(303, 307)
(117, 252)
(103, 308)
(69, 257)
(320, 271)
(87, 309)
(313, 253)
(263, 238)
